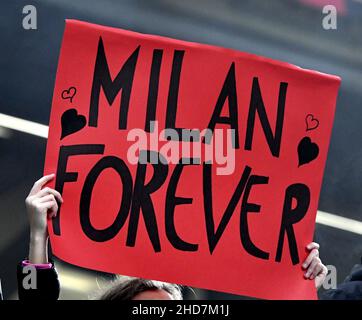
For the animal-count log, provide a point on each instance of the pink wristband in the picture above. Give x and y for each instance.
(37, 265)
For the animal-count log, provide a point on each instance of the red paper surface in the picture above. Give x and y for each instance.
(229, 268)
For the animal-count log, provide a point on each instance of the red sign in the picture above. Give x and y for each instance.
(230, 207)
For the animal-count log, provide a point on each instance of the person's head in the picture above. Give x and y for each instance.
(140, 289)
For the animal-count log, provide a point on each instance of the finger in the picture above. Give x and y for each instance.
(314, 253)
(324, 271)
(316, 271)
(49, 197)
(52, 212)
(47, 191)
(40, 183)
(313, 245)
(312, 266)
(46, 205)
(51, 207)
(321, 277)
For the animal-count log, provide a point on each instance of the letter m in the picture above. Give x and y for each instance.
(102, 79)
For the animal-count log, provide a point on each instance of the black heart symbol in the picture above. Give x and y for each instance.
(311, 122)
(69, 93)
(307, 151)
(72, 122)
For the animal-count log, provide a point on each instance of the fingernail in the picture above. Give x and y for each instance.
(304, 265)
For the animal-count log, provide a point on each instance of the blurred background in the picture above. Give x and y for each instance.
(288, 30)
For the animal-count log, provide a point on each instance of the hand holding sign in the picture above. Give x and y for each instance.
(257, 218)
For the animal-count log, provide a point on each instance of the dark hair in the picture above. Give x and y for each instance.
(127, 288)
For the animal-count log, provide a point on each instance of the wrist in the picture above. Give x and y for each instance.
(38, 237)
(38, 248)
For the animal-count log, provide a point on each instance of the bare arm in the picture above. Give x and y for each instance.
(41, 205)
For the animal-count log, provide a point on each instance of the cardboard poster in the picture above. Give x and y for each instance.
(185, 162)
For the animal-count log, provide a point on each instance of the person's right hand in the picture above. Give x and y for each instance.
(41, 205)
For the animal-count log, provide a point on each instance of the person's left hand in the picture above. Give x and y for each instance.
(313, 266)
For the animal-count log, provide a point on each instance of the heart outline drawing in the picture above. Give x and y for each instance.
(311, 122)
(69, 93)
(71, 122)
